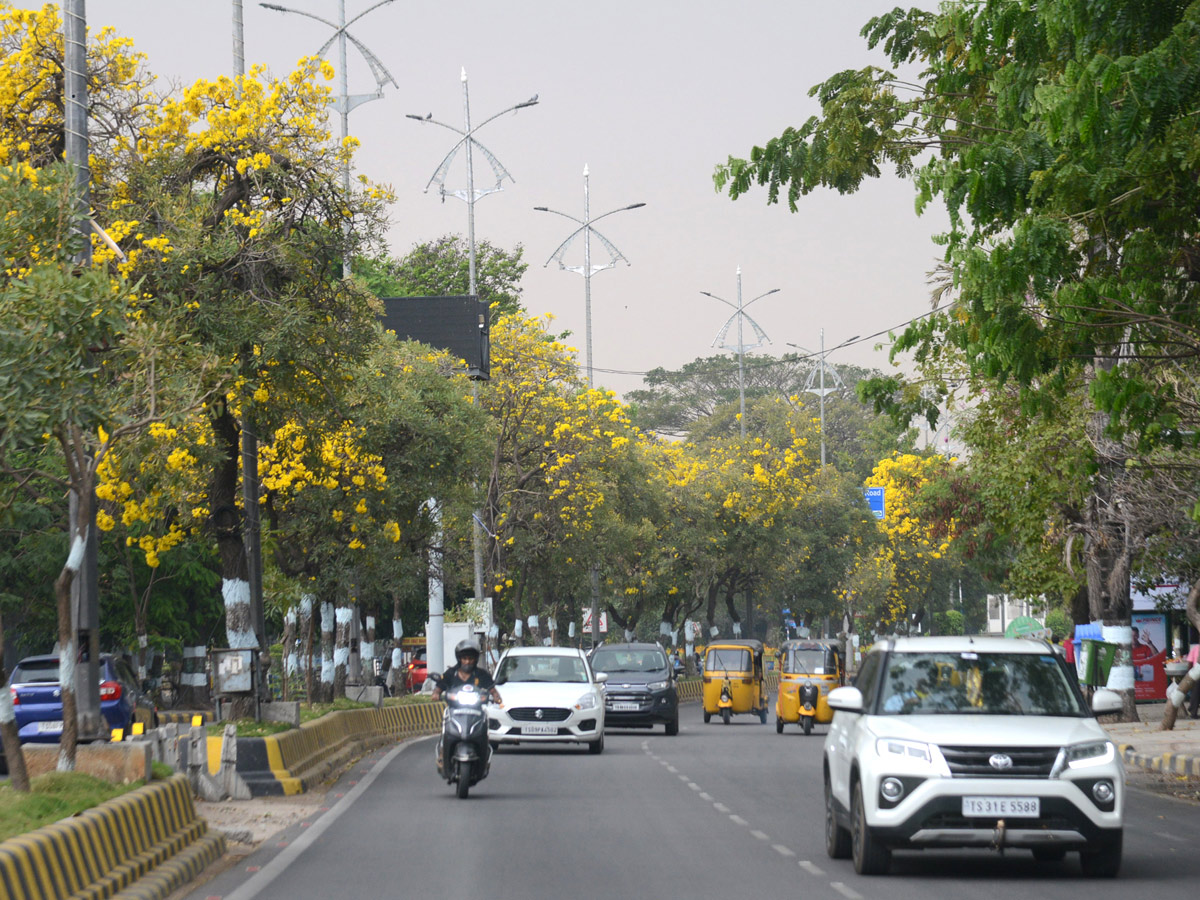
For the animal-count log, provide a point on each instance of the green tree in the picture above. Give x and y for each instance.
(441, 268)
(1060, 137)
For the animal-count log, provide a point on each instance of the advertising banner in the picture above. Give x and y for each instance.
(1149, 654)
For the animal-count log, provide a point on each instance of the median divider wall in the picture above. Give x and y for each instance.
(143, 844)
(301, 758)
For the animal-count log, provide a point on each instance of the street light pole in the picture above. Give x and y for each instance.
(347, 102)
(469, 144)
(587, 270)
(820, 374)
(741, 347)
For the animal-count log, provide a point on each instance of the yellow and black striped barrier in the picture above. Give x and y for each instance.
(144, 844)
(184, 717)
(298, 759)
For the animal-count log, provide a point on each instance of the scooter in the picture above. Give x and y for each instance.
(464, 756)
(725, 703)
(809, 694)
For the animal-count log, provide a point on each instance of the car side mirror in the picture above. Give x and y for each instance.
(846, 699)
(1106, 702)
(601, 677)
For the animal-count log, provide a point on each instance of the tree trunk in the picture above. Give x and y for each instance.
(227, 522)
(367, 652)
(10, 740)
(341, 648)
(325, 695)
(397, 679)
(289, 650)
(306, 627)
(68, 652)
(1177, 697)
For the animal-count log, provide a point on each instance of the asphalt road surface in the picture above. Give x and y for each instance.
(715, 812)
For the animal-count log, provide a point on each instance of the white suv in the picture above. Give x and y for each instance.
(971, 742)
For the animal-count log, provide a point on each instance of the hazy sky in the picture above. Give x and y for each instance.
(651, 95)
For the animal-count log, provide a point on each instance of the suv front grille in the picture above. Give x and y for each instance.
(975, 762)
(531, 714)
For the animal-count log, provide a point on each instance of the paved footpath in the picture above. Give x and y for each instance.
(1144, 746)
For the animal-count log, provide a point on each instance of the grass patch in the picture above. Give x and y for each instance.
(408, 700)
(53, 796)
(308, 712)
(160, 771)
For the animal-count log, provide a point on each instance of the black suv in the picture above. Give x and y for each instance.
(641, 686)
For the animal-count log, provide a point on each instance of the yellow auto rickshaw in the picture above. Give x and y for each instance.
(809, 671)
(733, 680)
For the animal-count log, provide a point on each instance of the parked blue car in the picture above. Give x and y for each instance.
(37, 698)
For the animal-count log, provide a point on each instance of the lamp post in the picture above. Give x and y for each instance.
(346, 102)
(468, 143)
(822, 390)
(587, 270)
(741, 347)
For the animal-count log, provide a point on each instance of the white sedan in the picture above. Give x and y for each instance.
(548, 695)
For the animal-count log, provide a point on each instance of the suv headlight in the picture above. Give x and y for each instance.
(657, 686)
(909, 749)
(1093, 753)
(587, 701)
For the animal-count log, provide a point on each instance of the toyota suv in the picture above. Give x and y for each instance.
(971, 742)
(641, 686)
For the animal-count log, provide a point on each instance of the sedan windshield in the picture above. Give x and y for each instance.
(997, 684)
(613, 660)
(566, 669)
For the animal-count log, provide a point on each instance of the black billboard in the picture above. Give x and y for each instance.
(456, 324)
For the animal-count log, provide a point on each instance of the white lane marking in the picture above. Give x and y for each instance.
(693, 786)
(848, 893)
(761, 835)
(738, 820)
(683, 778)
(721, 807)
(277, 866)
(1169, 837)
(811, 868)
(704, 796)
(782, 850)
(671, 768)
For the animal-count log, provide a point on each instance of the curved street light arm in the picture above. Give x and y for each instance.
(557, 213)
(760, 296)
(275, 7)
(453, 128)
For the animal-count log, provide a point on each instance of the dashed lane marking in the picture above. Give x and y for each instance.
(704, 796)
(811, 868)
(848, 893)
(683, 778)
(737, 820)
(761, 835)
(693, 786)
(782, 850)
(671, 768)
(721, 807)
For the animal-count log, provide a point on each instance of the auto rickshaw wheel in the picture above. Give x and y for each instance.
(808, 724)
(778, 725)
(707, 717)
(725, 715)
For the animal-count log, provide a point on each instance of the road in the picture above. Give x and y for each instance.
(715, 812)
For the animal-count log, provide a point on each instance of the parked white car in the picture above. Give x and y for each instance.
(971, 742)
(549, 694)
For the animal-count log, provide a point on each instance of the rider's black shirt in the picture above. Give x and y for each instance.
(481, 678)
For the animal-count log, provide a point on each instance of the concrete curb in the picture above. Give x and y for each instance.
(302, 758)
(143, 845)
(183, 716)
(1166, 763)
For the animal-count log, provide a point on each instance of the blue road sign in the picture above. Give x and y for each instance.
(874, 497)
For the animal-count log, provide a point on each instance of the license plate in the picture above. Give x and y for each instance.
(1012, 807)
(49, 727)
(626, 707)
(539, 729)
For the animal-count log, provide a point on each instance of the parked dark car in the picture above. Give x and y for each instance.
(37, 698)
(640, 692)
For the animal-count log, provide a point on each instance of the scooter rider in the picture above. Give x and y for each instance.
(467, 671)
